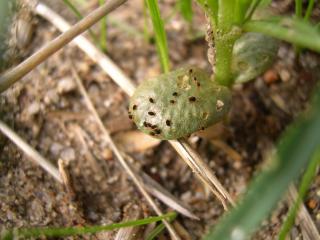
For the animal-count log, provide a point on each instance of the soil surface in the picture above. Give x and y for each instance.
(46, 109)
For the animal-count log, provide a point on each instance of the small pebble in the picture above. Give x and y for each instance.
(284, 75)
(66, 85)
(312, 204)
(33, 108)
(68, 154)
(270, 76)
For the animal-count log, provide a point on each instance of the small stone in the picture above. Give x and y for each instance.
(219, 105)
(312, 204)
(34, 108)
(270, 76)
(56, 148)
(51, 97)
(66, 85)
(285, 75)
(68, 154)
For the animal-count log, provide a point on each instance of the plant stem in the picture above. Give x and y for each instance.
(298, 8)
(252, 9)
(225, 36)
(309, 10)
(103, 30)
(226, 15)
(304, 186)
(160, 34)
(291, 30)
(223, 58)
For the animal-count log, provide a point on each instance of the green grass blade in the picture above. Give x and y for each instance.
(298, 8)
(78, 14)
(240, 10)
(156, 232)
(303, 189)
(160, 34)
(73, 8)
(185, 7)
(103, 30)
(294, 31)
(309, 10)
(71, 231)
(294, 152)
(254, 5)
(146, 32)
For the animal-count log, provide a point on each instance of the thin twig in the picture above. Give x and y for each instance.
(10, 77)
(118, 154)
(203, 171)
(127, 86)
(31, 152)
(90, 49)
(161, 193)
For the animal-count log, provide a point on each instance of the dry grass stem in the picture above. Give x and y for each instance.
(127, 85)
(162, 194)
(66, 178)
(90, 49)
(304, 219)
(132, 212)
(10, 77)
(119, 156)
(30, 152)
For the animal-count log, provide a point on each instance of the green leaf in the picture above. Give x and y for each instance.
(298, 8)
(295, 31)
(241, 9)
(160, 34)
(185, 7)
(158, 230)
(309, 10)
(303, 189)
(294, 152)
(71, 231)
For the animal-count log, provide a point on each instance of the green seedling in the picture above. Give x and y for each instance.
(253, 54)
(178, 103)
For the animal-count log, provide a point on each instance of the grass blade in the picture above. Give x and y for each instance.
(294, 153)
(71, 231)
(78, 14)
(160, 34)
(309, 10)
(241, 9)
(298, 8)
(303, 189)
(103, 30)
(157, 231)
(294, 31)
(185, 7)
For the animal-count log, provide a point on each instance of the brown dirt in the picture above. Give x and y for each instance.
(45, 108)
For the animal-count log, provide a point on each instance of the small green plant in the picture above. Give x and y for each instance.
(244, 47)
